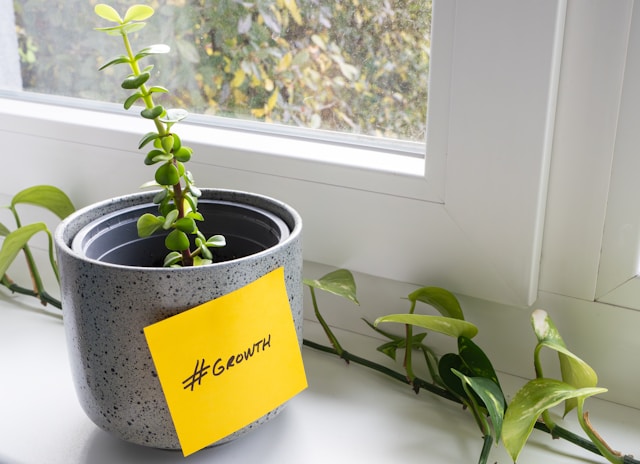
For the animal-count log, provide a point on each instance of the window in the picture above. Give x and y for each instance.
(355, 67)
(468, 217)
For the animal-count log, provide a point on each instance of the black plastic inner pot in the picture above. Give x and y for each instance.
(114, 239)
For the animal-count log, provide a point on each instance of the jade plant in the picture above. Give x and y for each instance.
(467, 377)
(177, 198)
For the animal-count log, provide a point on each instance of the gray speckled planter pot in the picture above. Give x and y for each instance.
(107, 304)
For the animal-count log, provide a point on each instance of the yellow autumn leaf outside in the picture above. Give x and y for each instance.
(238, 78)
(292, 6)
(284, 63)
(271, 103)
(258, 112)
(239, 97)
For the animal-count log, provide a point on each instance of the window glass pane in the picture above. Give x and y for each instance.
(353, 66)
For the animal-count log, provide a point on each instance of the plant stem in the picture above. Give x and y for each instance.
(418, 383)
(43, 296)
(332, 338)
(408, 363)
(486, 449)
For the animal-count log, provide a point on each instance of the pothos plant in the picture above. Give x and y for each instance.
(468, 377)
(177, 198)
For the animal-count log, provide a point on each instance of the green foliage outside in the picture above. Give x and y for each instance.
(358, 66)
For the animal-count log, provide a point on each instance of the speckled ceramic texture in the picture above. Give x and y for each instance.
(106, 307)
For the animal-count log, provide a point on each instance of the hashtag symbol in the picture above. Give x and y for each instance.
(199, 372)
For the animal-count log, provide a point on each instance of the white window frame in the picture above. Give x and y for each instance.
(469, 219)
(592, 232)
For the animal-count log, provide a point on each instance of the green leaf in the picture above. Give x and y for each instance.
(158, 89)
(138, 13)
(15, 241)
(133, 82)
(46, 196)
(391, 347)
(170, 219)
(216, 241)
(339, 282)
(160, 196)
(183, 154)
(4, 231)
(152, 113)
(157, 49)
(148, 223)
(530, 401)
(156, 156)
(130, 28)
(574, 370)
(174, 115)
(177, 240)
(446, 325)
(128, 103)
(148, 137)
(107, 12)
(476, 360)
(118, 60)
(167, 174)
(443, 300)
(449, 363)
(172, 258)
(186, 225)
(491, 395)
(195, 191)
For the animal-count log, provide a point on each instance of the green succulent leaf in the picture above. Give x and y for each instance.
(160, 196)
(118, 60)
(170, 219)
(152, 113)
(108, 12)
(134, 82)
(45, 196)
(167, 143)
(476, 360)
(130, 28)
(138, 13)
(446, 325)
(4, 231)
(177, 240)
(148, 224)
(113, 30)
(186, 225)
(174, 115)
(530, 401)
(148, 137)
(200, 261)
(167, 174)
(172, 259)
(443, 300)
(128, 103)
(574, 370)
(216, 241)
(157, 49)
(339, 282)
(206, 253)
(15, 241)
(195, 191)
(491, 395)
(158, 89)
(156, 156)
(183, 154)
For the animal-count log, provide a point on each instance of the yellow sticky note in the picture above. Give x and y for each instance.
(228, 362)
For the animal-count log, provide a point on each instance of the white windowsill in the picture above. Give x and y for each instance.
(348, 414)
